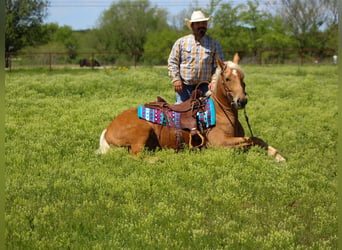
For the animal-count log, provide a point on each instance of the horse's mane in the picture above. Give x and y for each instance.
(218, 70)
(231, 65)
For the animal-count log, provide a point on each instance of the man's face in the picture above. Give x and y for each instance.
(199, 28)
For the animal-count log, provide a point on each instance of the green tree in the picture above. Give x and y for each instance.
(125, 26)
(227, 28)
(253, 19)
(158, 46)
(48, 31)
(310, 23)
(23, 23)
(66, 36)
(307, 19)
(332, 34)
(86, 39)
(178, 20)
(55, 39)
(52, 33)
(266, 32)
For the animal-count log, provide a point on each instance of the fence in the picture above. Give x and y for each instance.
(133, 59)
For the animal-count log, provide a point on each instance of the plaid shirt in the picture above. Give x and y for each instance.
(194, 61)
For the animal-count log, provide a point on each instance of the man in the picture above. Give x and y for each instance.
(193, 59)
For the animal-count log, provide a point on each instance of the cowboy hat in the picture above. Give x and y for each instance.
(197, 16)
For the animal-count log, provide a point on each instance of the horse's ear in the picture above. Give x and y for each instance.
(236, 59)
(220, 63)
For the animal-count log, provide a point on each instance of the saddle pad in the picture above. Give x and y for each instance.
(207, 118)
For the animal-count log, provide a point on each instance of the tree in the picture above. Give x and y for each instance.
(252, 18)
(307, 19)
(158, 45)
(124, 27)
(64, 35)
(23, 23)
(227, 28)
(178, 21)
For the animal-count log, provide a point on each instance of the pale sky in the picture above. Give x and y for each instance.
(83, 14)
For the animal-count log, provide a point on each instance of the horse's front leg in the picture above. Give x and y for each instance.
(270, 150)
(241, 142)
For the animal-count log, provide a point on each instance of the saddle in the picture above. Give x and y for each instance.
(188, 117)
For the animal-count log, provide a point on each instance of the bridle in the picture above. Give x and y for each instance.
(226, 88)
(229, 95)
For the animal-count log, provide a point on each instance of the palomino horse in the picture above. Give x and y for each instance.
(228, 95)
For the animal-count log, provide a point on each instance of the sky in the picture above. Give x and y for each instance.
(83, 14)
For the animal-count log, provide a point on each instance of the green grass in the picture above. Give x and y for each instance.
(60, 195)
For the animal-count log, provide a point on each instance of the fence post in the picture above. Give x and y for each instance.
(301, 57)
(50, 61)
(10, 62)
(135, 59)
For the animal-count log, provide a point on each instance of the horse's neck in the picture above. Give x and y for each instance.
(227, 109)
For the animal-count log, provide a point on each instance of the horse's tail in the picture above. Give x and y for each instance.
(104, 146)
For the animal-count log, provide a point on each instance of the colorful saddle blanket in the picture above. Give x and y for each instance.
(207, 118)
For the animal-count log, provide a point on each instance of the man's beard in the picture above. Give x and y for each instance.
(201, 31)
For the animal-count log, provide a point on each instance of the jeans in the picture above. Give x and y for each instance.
(187, 90)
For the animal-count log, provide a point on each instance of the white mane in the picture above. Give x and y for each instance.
(218, 71)
(231, 65)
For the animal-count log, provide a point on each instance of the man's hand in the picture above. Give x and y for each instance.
(178, 86)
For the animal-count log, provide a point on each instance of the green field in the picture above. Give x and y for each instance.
(61, 195)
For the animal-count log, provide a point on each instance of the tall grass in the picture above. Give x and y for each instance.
(60, 195)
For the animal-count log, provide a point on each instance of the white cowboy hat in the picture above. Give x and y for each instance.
(197, 16)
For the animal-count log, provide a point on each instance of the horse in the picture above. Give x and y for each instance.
(228, 95)
(89, 63)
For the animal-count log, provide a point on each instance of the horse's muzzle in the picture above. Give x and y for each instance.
(241, 103)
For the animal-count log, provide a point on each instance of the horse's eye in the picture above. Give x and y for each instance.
(227, 79)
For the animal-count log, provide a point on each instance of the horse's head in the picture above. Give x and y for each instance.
(230, 84)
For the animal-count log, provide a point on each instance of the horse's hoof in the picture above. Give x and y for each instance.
(277, 156)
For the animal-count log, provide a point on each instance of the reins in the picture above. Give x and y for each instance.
(247, 121)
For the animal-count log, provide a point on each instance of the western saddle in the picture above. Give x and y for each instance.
(188, 117)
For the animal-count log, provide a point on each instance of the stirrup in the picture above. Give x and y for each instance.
(200, 135)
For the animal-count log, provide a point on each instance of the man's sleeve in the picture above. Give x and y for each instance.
(174, 62)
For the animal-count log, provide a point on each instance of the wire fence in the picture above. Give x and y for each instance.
(52, 60)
